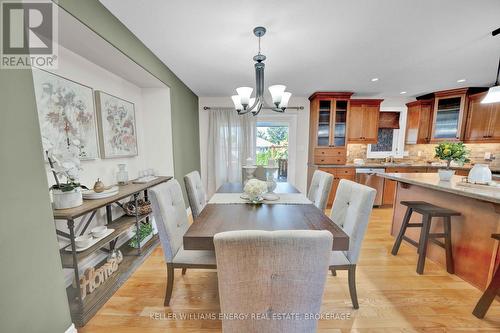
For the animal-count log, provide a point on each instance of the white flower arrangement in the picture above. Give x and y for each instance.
(64, 164)
(255, 187)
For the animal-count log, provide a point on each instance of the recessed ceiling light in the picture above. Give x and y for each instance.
(403, 92)
(375, 79)
(461, 80)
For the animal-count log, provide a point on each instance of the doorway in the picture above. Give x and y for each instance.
(272, 144)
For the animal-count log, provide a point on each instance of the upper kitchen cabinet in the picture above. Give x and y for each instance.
(328, 127)
(449, 115)
(363, 120)
(483, 120)
(419, 121)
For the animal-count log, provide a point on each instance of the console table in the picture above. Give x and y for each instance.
(83, 310)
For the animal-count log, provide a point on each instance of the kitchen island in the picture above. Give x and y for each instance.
(475, 253)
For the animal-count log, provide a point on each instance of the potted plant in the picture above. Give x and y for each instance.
(65, 167)
(145, 234)
(451, 151)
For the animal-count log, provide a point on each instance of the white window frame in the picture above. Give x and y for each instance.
(398, 143)
(289, 118)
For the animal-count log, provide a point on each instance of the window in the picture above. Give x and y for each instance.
(272, 143)
(390, 141)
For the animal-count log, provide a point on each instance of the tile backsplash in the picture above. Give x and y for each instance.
(477, 151)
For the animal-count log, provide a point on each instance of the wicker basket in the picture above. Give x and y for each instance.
(144, 207)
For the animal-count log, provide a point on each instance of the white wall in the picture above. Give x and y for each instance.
(154, 133)
(298, 172)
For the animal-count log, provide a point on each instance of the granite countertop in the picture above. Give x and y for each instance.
(399, 165)
(431, 181)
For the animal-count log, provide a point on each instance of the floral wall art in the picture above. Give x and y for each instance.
(66, 113)
(117, 126)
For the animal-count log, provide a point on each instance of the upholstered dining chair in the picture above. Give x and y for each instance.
(172, 220)
(319, 190)
(271, 273)
(351, 211)
(197, 196)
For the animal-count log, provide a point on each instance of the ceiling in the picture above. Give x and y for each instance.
(417, 46)
(78, 38)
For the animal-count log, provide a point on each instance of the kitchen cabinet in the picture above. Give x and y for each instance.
(448, 115)
(328, 127)
(483, 121)
(418, 122)
(390, 185)
(362, 120)
(338, 174)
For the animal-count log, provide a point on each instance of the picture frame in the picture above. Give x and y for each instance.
(66, 113)
(117, 126)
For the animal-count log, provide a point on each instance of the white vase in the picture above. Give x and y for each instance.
(445, 174)
(479, 174)
(69, 199)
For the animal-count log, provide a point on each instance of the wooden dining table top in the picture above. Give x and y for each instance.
(215, 218)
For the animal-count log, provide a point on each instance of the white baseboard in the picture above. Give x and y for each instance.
(71, 329)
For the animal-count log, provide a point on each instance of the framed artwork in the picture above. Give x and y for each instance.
(117, 126)
(66, 113)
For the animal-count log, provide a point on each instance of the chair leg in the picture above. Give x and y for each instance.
(170, 284)
(352, 285)
(489, 295)
(334, 272)
(450, 267)
(422, 244)
(402, 231)
(184, 271)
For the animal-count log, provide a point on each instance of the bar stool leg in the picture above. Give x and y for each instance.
(422, 244)
(489, 295)
(450, 267)
(402, 231)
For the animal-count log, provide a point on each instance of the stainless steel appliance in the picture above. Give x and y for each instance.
(368, 177)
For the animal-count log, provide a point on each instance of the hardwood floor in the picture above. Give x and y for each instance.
(392, 296)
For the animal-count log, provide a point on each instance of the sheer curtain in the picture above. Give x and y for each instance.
(231, 140)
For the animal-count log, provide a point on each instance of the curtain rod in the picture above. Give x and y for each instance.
(264, 107)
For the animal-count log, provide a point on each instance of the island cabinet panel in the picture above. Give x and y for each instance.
(390, 185)
(419, 122)
(474, 251)
(363, 120)
(338, 174)
(483, 120)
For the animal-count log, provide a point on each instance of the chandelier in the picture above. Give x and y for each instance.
(244, 103)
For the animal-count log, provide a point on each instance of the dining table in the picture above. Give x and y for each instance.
(225, 211)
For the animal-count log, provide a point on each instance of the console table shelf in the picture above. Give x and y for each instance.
(83, 309)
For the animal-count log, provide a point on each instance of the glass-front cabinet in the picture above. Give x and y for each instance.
(448, 116)
(324, 127)
(331, 129)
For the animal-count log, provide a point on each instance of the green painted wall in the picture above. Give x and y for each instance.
(32, 292)
(184, 102)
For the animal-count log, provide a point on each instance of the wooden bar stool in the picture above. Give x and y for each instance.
(428, 211)
(490, 293)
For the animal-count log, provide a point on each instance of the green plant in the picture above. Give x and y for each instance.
(144, 231)
(452, 151)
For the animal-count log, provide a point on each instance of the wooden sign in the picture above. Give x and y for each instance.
(92, 278)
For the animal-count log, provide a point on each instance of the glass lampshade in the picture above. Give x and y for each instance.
(237, 102)
(277, 92)
(493, 95)
(285, 99)
(245, 93)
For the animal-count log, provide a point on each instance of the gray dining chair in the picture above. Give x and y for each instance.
(196, 194)
(170, 214)
(272, 272)
(319, 190)
(351, 211)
